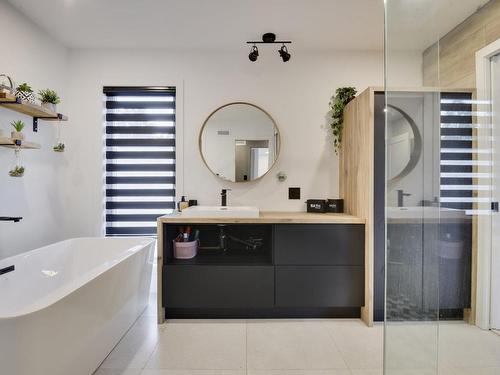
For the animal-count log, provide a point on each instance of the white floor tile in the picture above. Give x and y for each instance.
(134, 350)
(411, 347)
(191, 372)
(361, 346)
(291, 345)
(200, 345)
(103, 371)
(300, 372)
(367, 371)
(464, 345)
(477, 371)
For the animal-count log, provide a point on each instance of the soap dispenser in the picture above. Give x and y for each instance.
(182, 204)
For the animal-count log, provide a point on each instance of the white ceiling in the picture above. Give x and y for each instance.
(225, 24)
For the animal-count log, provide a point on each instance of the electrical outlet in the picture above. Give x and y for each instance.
(293, 193)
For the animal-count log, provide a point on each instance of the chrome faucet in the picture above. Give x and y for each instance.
(401, 197)
(223, 196)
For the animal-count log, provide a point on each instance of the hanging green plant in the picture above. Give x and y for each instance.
(343, 95)
(59, 147)
(17, 171)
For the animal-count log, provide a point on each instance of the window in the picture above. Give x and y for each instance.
(140, 158)
(457, 162)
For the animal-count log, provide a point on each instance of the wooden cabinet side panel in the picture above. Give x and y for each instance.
(357, 178)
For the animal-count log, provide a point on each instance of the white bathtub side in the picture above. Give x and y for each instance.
(44, 276)
(75, 334)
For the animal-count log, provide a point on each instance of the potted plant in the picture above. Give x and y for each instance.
(18, 128)
(17, 171)
(59, 147)
(49, 99)
(343, 95)
(24, 92)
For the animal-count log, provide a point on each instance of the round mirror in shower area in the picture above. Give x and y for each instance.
(404, 143)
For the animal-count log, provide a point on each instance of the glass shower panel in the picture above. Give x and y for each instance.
(412, 197)
(438, 184)
(495, 256)
(412, 230)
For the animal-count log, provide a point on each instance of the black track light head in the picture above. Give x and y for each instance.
(283, 51)
(254, 53)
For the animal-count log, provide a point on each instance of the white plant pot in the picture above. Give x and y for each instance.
(26, 96)
(17, 135)
(49, 106)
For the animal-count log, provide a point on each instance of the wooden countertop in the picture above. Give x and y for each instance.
(269, 217)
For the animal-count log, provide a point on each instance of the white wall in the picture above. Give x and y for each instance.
(296, 94)
(29, 55)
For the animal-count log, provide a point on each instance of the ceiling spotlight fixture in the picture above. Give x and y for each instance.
(283, 51)
(254, 53)
(269, 38)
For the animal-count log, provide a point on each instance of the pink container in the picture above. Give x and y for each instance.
(185, 250)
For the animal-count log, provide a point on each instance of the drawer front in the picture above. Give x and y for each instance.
(319, 286)
(218, 286)
(319, 244)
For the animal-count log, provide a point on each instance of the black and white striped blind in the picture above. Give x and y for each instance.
(458, 163)
(140, 158)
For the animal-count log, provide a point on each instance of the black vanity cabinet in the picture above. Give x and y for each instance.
(319, 265)
(219, 286)
(300, 270)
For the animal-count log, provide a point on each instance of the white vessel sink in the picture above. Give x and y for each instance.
(219, 211)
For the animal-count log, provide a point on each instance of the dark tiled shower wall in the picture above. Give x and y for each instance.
(425, 274)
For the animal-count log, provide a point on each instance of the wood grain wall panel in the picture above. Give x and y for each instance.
(457, 49)
(492, 30)
(430, 66)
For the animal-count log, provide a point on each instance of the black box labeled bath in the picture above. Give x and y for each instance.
(316, 205)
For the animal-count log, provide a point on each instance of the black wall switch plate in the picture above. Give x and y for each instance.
(293, 193)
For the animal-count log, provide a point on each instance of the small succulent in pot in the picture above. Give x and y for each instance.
(18, 128)
(17, 171)
(49, 99)
(59, 147)
(25, 92)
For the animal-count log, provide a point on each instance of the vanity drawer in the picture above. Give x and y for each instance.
(319, 286)
(319, 244)
(218, 286)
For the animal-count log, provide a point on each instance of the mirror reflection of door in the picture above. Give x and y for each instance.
(251, 159)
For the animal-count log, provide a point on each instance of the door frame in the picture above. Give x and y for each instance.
(481, 293)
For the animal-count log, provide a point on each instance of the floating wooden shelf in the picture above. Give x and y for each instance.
(11, 102)
(14, 143)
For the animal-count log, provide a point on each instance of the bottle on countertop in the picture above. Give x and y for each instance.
(182, 204)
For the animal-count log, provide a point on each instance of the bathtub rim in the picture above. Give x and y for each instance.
(81, 281)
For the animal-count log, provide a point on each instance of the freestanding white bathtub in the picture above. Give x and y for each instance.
(66, 305)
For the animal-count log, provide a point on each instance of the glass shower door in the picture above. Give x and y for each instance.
(438, 191)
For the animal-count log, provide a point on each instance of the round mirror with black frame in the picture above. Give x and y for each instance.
(239, 142)
(404, 144)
